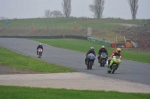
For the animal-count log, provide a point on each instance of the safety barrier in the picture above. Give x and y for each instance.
(48, 37)
(98, 41)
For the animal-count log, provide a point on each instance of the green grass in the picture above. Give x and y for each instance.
(12, 59)
(84, 45)
(136, 56)
(12, 92)
(103, 24)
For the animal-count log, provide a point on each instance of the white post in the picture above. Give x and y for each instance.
(125, 39)
(116, 39)
(89, 31)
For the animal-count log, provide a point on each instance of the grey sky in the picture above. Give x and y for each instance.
(36, 8)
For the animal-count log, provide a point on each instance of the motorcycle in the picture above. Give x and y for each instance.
(90, 60)
(40, 51)
(103, 59)
(116, 62)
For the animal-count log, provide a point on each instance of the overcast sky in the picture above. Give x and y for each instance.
(80, 8)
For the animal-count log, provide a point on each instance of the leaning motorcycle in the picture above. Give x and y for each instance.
(115, 64)
(40, 51)
(90, 60)
(103, 59)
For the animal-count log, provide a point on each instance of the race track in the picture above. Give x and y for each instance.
(128, 70)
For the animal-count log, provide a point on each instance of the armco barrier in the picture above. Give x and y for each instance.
(102, 42)
(42, 37)
(48, 37)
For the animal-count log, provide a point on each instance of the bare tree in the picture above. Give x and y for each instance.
(97, 8)
(47, 13)
(3, 18)
(134, 7)
(66, 4)
(56, 14)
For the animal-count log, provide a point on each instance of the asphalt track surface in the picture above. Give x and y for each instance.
(129, 70)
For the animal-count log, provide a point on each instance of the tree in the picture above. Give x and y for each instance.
(134, 7)
(66, 4)
(56, 14)
(47, 13)
(97, 8)
(3, 18)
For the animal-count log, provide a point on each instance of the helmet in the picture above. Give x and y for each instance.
(103, 46)
(40, 44)
(118, 50)
(92, 48)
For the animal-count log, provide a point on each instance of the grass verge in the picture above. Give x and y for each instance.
(12, 92)
(84, 45)
(12, 59)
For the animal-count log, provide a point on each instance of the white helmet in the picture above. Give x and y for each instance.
(103, 46)
(92, 48)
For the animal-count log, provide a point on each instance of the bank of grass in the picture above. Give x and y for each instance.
(12, 92)
(39, 23)
(18, 61)
(101, 28)
(84, 45)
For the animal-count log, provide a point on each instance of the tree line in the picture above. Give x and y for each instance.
(97, 8)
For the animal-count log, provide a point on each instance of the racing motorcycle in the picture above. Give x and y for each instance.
(40, 51)
(90, 60)
(103, 59)
(116, 62)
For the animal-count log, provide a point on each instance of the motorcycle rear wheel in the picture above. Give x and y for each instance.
(90, 65)
(87, 66)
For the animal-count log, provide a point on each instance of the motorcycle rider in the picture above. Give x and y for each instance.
(116, 53)
(90, 51)
(102, 50)
(39, 46)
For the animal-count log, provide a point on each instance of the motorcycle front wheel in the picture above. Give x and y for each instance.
(113, 69)
(39, 55)
(103, 62)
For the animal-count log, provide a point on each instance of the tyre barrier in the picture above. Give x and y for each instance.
(98, 41)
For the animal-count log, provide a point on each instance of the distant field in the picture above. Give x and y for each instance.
(101, 28)
(43, 23)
